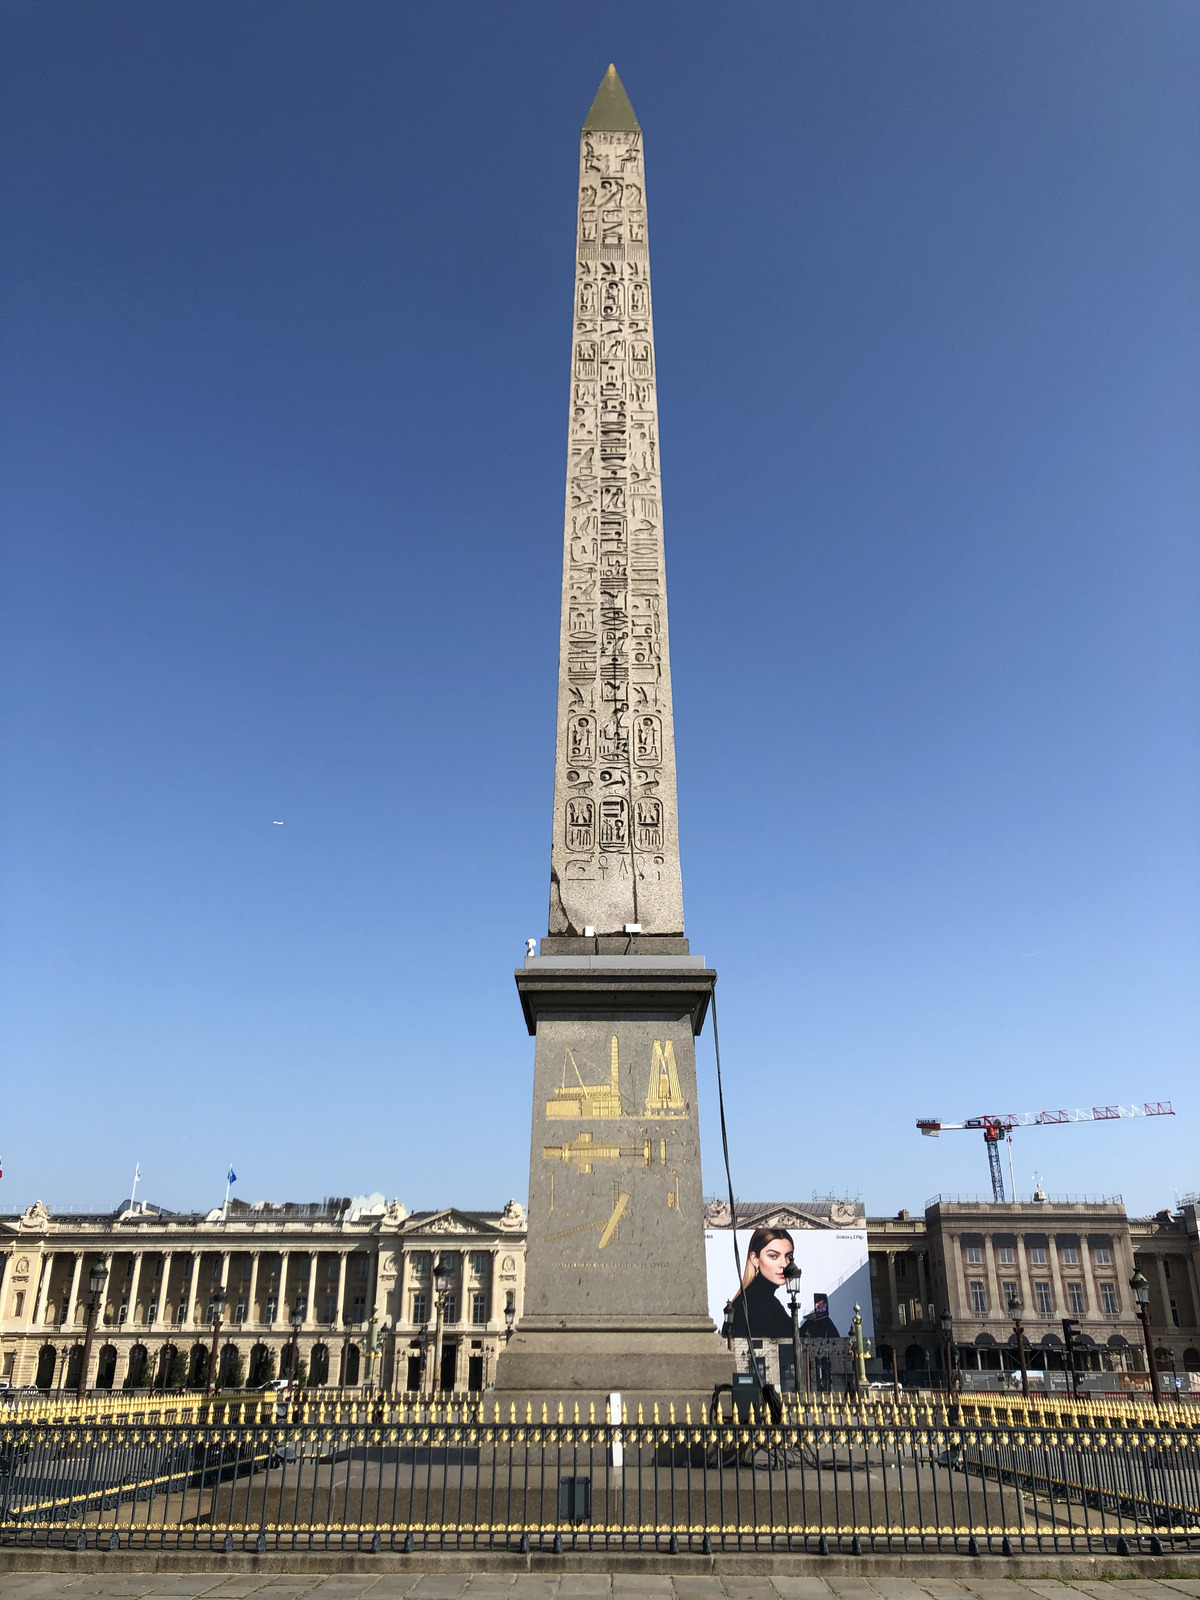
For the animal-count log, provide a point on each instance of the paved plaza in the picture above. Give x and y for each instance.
(576, 1586)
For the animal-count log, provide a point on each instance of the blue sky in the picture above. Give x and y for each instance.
(283, 378)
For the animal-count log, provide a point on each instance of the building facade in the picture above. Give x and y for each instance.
(333, 1294)
(347, 1295)
(1062, 1258)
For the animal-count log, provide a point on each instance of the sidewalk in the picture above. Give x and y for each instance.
(572, 1586)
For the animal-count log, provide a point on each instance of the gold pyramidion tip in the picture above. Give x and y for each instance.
(611, 111)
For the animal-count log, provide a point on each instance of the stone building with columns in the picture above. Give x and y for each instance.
(1064, 1257)
(303, 1283)
(339, 1293)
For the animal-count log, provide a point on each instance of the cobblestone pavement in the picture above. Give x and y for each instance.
(576, 1586)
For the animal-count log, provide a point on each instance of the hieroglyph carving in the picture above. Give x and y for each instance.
(616, 851)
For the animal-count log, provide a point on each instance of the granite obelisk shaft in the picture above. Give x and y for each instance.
(615, 1284)
(615, 856)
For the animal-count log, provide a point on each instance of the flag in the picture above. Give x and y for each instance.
(137, 1173)
(232, 1178)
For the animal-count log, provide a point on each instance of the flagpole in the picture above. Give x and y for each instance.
(137, 1172)
(228, 1181)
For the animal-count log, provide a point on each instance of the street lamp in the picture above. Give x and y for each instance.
(1141, 1293)
(947, 1322)
(791, 1280)
(217, 1303)
(297, 1324)
(510, 1318)
(1016, 1311)
(97, 1278)
(443, 1275)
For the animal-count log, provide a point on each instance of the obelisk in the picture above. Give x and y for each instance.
(615, 1294)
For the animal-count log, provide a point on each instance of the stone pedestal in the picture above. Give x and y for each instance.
(615, 1279)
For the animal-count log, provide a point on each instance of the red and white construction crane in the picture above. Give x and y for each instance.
(997, 1129)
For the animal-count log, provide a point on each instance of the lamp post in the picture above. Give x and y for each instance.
(510, 1318)
(297, 1324)
(947, 1322)
(97, 1278)
(372, 1345)
(1141, 1293)
(423, 1341)
(791, 1280)
(443, 1273)
(1016, 1311)
(860, 1353)
(217, 1301)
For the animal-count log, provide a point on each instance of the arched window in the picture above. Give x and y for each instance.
(167, 1359)
(138, 1377)
(262, 1366)
(198, 1367)
(106, 1372)
(318, 1364)
(1191, 1360)
(352, 1363)
(914, 1359)
(74, 1367)
(47, 1356)
(231, 1369)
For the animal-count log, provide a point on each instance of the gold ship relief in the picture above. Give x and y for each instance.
(601, 1101)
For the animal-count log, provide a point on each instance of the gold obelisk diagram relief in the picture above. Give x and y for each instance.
(615, 855)
(615, 1285)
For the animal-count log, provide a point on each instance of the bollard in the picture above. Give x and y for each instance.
(376, 1544)
(823, 1545)
(972, 1546)
(674, 1545)
(409, 1543)
(707, 1546)
(1006, 1546)
(856, 1546)
(524, 1544)
(558, 1544)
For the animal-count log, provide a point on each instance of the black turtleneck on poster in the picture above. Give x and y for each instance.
(768, 1319)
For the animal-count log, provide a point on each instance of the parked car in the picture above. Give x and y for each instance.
(275, 1384)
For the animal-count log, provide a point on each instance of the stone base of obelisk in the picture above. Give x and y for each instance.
(615, 1280)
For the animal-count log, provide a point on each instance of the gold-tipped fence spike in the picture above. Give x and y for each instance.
(545, 1417)
(656, 1411)
(687, 1413)
(640, 1417)
(560, 1411)
(671, 1412)
(592, 1411)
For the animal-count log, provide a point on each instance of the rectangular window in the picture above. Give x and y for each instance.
(902, 1265)
(1037, 1255)
(480, 1264)
(1103, 1256)
(974, 1254)
(19, 1303)
(420, 1308)
(1175, 1312)
(1041, 1294)
(451, 1308)
(479, 1310)
(181, 1313)
(916, 1311)
(1006, 1255)
(331, 1308)
(272, 1308)
(239, 1311)
(1008, 1292)
(1108, 1299)
(978, 1297)
(874, 1266)
(360, 1266)
(10, 1361)
(1075, 1299)
(902, 1313)
(151, 1312)
(1070, 1256)
(358, 1311)
(1166, 1266)
(300, 1307)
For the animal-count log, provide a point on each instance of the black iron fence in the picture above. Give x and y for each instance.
(377, 1483)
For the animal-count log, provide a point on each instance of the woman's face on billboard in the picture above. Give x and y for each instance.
(773, 1260)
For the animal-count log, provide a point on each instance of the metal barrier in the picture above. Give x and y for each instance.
(452, 1479)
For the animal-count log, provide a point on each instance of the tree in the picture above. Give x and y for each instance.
(178, 1373)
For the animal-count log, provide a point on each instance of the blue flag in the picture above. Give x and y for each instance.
(232, 1178)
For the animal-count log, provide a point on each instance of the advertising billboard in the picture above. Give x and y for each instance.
(835, 1277)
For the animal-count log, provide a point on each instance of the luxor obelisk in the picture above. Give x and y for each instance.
(615, 1292)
